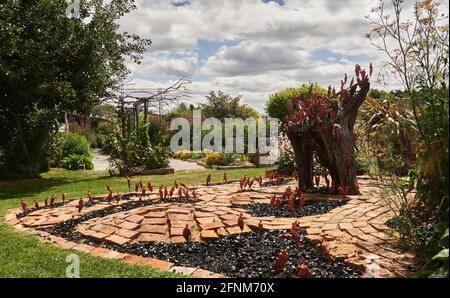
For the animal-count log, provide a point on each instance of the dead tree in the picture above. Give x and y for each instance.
(322, 126)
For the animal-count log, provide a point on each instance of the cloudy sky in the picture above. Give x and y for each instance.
(251, 48)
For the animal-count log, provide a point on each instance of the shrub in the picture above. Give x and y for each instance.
(183, 155)
(213, 159)
(286, 161)
(198, 155)
(64, 145)
(219, 159)
(74, 144)
(158, 157)
(75, 162)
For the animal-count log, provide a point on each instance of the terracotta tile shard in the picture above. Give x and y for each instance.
(129, 225)
(158, 229)
(135, 218)
(117, 239)
(156, 214)
(183, 270)
(212, 226)
(222, 232)
(106, 253)
(83, 247)
(346, 226)
(209, 235)
(203, 214)
(152, 237)
(200, 273)
(105, 229)
(315, 239)
(207, 220)
(180, 216)
(155, 263)
(154, 221)
(129, 234)
(177, 239)
(313, 231)
(329, 226)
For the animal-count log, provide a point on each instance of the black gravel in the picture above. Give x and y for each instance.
(311, 207)
(244, 255)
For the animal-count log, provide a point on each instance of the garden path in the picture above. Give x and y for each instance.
(181, 165)
(100, 160)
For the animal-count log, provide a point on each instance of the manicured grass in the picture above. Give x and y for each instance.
(23, 255)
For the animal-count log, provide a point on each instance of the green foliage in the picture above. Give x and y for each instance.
(277, 105)
(183, 155)
(74, 144)
(158, 157)
(220, 106)
(437, 266)
(51, 63)
(76, 162)
(198, 155)
(220, 159)
(286, 160)
(133, 150)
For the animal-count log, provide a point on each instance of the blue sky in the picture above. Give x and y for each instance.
(251, 48)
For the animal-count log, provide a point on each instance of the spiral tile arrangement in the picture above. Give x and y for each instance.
(354, 233)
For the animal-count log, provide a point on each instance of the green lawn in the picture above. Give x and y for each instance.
(23, 255)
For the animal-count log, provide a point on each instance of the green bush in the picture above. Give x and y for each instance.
(74, 144)
(198, 155)
(75, 162)
(158, 157)
(437, 266)
(213, 159)
(220, 159)
(183, 155)
(286, 161)
(65, 145)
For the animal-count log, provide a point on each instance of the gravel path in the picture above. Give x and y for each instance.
(100, 160)
(181, 165)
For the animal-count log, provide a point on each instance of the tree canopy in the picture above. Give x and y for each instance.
(51, 63)
(221, 105)
(277, 105)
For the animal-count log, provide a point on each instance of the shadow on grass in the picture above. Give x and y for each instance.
(13, 189)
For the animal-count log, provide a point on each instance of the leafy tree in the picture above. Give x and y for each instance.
(50, 63)
(277, 106)
(221, 105)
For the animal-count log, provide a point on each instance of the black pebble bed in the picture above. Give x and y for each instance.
(245, 255)
(311, 207)
(240, 255)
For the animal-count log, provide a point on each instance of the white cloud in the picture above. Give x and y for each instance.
(276, 48)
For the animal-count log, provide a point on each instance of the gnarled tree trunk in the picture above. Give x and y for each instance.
(326, 131)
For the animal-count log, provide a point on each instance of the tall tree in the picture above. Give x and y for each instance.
(221, 105)
(51, 63)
